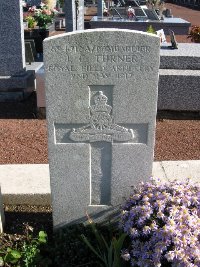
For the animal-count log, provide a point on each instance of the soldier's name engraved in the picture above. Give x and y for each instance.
(117, 58)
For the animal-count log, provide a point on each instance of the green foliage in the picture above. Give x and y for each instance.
(25, 255)
(43, 20)
(109, 252)
(150, 29)
(31, 21)
(61, 2)
(11, 256)
(31, 252)
(65, 247)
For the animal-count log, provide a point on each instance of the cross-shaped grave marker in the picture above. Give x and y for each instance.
(100, 134)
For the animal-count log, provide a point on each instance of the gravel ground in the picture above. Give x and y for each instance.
(24, 137)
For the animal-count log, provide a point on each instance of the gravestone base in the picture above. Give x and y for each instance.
(16, 88)
(179, 90)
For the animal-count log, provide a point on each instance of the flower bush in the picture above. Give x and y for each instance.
(31, 21)
(194, 34)
(163, 223)
(42, 16)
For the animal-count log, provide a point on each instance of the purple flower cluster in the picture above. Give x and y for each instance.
(163, 222)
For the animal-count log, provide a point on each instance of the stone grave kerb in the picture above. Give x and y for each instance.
(101, 96)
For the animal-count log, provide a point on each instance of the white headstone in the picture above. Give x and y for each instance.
(101, 96)
(2, 217)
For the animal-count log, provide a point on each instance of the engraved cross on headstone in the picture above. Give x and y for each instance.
(100, 133)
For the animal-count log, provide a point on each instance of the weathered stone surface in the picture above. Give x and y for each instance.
(179, 90)
(12, 55)
(178, 25)
(187, 56)
(15, 82)
(101, 96)
(74, 15)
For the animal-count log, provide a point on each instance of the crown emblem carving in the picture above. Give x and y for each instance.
(101, 126)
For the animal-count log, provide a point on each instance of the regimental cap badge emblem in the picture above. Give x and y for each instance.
(101, 126)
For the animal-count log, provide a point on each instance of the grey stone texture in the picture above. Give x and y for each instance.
(74, 19)
(187, 56)
(14, 80)
(179, 78)
(12, 57)
(101, 97)
(179, 90)
(178, 25)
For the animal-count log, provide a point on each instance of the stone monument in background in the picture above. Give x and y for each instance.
(15, 81)
(74, 15)
(100, 5)
(101, 96)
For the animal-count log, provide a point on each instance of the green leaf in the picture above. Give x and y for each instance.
(42, 240)
(97, 235)
(110, 255)
(12, 256)
(85, 240)
(42, 237)
(42, 234)
(16, 254)
(105, 260)
(106, 244)
(117, 244)
(1, 262)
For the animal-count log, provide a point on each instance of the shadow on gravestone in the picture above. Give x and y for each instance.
(101, 96)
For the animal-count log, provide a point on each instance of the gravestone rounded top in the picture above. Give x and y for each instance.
(73, 61)
(102, 30)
